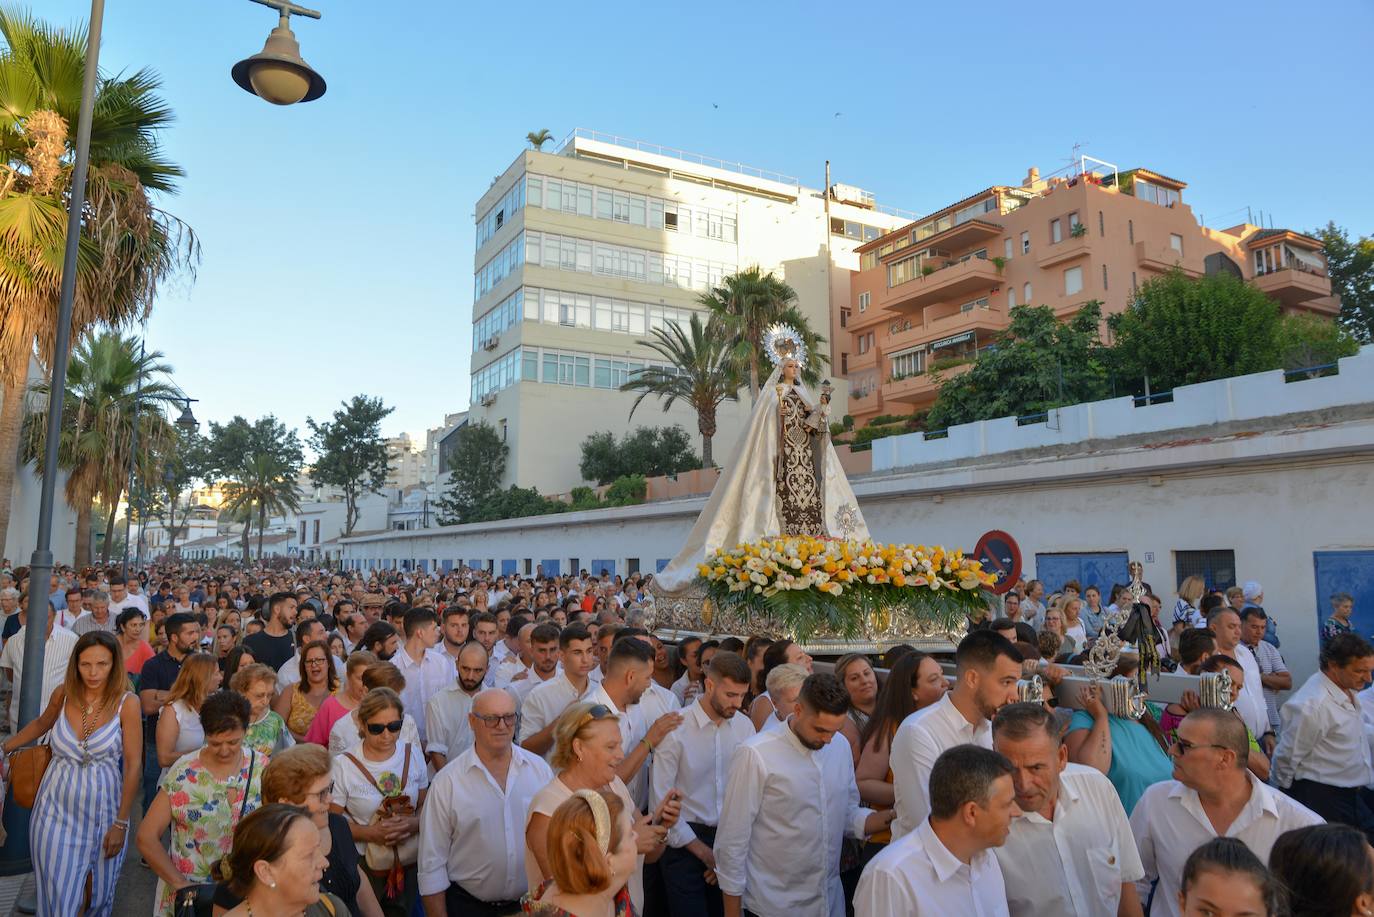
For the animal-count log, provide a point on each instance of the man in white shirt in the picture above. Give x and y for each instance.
(57, 650)
(1225, 623)
(946, 866)
(509, 644)
(351, 624)
(694, 760)
(427, 671)
(544, 656)
(784, 687)
(121, 598)
(1071, 850)
(1323, 758)
(456, 627)
(1274, 674)
(542, 707)
(988, 667)
(511, 667)
(790, 801)
(447, 733)
(1213, 794)
(629, 669)
(472, 826)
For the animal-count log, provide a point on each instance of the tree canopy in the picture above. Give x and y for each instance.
(351, 451)
(1351, 266)
(647, 451)
(476, 466)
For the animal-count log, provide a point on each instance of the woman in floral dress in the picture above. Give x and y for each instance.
(201, 798)
(267, 732)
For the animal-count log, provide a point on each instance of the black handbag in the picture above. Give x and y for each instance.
(195, 900)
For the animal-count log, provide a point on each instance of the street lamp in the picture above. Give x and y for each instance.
(277, 73)
(187, 421)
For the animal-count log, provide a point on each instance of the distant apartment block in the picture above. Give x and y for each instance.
(582, 252)
(934, 293)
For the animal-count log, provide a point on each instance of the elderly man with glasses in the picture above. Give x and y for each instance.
(472, 829)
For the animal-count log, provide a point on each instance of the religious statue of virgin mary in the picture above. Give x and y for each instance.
(784, 477)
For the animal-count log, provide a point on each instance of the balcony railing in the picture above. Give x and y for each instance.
(659, 150)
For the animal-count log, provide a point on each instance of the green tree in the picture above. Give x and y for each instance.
(1310, 340)
(1037, 364)
(351, 452)
(648, 451)
(179, 465)
(702, 374)
(627, 490)
(1351, 266)
(476, 466)
(538, 138)
(745, 305)
(1181, 330)
(128, 245)
(102, 398)
(261, 462)
(514, 503)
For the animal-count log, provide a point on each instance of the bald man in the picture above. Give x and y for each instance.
(472, 842)
(447, 713)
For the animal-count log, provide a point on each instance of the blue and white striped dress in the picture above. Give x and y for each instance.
(76, 805)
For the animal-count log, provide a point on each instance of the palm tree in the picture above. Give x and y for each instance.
(538, 138)
(103, 396)
(702, 374)
(745, 305)
(128, 246)
(266, 484)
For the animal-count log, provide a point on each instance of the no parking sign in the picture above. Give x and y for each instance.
(1000, 556)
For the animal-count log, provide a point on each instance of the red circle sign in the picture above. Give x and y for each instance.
(999, 554)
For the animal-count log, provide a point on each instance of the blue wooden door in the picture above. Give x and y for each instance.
(508, 567)
(550, 567)
(1346, 571)
(1102, 569)
(596, 566)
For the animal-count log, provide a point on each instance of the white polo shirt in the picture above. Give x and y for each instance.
(917, 876)
(1077, 863)
(921, 738)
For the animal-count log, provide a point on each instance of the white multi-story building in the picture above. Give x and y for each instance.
(583, 251)
(432, 470)
(404, 462)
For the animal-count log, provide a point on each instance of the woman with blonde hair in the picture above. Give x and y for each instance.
(587, 750)
(1186, 613)
(1075, 628)
(80, 817)
(267, 733)
(591, 853)
(178, 723)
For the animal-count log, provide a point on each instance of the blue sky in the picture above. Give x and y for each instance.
(338, 235)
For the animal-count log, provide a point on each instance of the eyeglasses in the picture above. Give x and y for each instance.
(491, 719)
(323, 794)
(310, 662)
(1184, 746)
(377, 729)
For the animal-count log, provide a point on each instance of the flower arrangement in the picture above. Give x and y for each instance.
(843, 587)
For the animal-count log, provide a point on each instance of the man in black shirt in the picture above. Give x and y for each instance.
(273, 646)
(159, 673)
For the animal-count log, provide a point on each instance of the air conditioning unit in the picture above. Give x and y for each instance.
(488, 399)
(492, 342)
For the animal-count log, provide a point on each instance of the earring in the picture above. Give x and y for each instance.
(272, 885)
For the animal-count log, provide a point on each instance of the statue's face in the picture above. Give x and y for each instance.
(790, 368)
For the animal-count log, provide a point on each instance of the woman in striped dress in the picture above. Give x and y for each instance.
(81, 815)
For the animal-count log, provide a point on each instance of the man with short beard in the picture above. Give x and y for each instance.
(987, 669)
(446, 714)
(629, 670)
(455, 629)
(544, 657)
(690, 761)
(274, 645)
(790, 801)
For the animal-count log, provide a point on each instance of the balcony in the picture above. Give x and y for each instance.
(1065, 251)
(867, 360)
(963, 280)
(921, 388)
(1294, 287)
(963, 237)
(987, 320)
(1158, 256)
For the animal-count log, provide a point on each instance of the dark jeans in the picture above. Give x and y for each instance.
(152, 772)
(459, 903)
(684, 877)
(1346, 805)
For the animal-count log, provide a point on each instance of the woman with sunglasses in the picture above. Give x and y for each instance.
(587, 751)
(380, 785)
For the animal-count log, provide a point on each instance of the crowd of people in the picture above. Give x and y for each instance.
(313, 742)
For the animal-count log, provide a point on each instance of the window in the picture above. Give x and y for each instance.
(1073, 221)
(670, 219)
(901, 271)
(1073, 281)
(1101, 224)
(1104, 276)
(1006, 249)
(1156, 194)
(302, 531)
(316, 530)
(844, 364)
(1056, 232)
(908, 363)
(1025, 242)
(1216, 567)
(864, 300)
(1176, 242)
(1011, 298)
(844, 318)
(865, 342)
(1133, 285)
(1026, 293)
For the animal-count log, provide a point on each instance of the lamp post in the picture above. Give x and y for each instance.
(266, 72)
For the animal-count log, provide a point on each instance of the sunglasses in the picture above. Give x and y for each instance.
(598, 712)
(491, 719)
(377, 729)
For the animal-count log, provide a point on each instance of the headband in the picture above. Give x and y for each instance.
(601, 814)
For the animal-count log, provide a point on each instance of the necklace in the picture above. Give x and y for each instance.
(86, 734)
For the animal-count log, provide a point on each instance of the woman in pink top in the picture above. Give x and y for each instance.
(342, 702)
